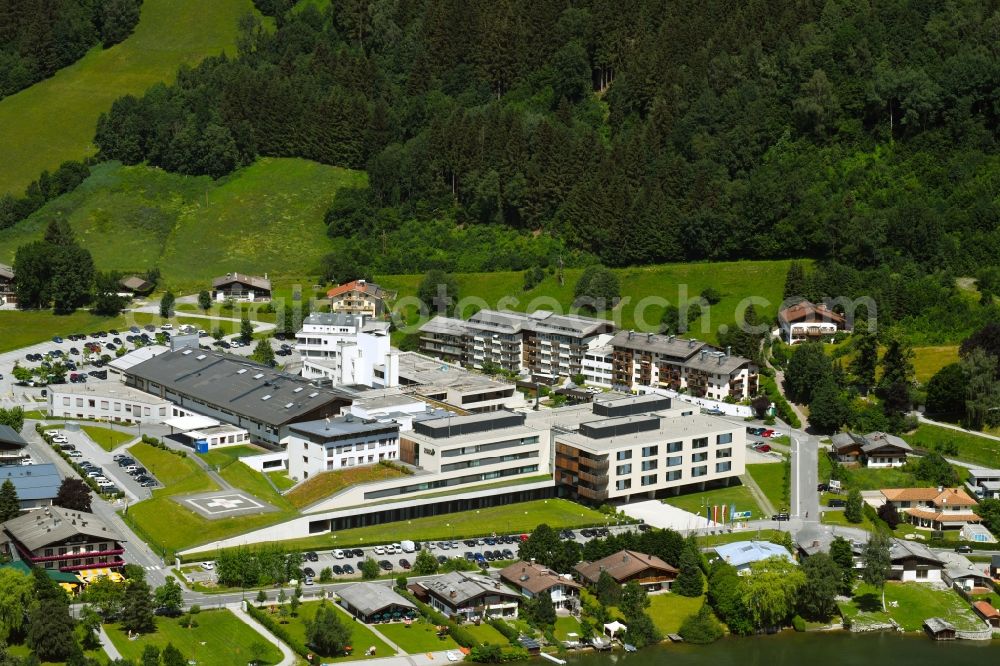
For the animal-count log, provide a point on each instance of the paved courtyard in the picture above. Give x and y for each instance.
(224, 504)
(662, 515)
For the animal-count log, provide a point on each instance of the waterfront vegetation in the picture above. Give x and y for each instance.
(218, 638)
(908, 604)
(669, 610)
(107, 438)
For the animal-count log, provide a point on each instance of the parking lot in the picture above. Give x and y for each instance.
(104, 460)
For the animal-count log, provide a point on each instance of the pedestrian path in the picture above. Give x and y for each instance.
(288, 657)
(109, 647)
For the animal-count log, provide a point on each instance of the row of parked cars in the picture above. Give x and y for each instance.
(763, 432)
(135, 470)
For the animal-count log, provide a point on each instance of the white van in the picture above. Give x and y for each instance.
(407, 546)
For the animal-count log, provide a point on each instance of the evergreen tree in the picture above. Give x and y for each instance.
(823, 581)
(50, 628)
(877, 562)
(865, 361)
(808, 368)
(843, 556)
(828, 410)
(246, 331)
(327, 633)
(137, 610)
(167, 304)
(946, 393)
(172, 656)
(795, 281)
(10, 505)
(854, 506)
(204, 300)
(690, 582)
(150, 656)
(263, 353)
(608, 590)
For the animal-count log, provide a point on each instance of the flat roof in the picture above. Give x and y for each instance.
(193, 422)
(33, 482)
(233, 383)
(110, 389)
(341, 427)
(137, 356)
(692, 425)
(431, 373)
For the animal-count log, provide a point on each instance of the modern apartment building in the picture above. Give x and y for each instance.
(347, 349)
(629, 361)
(346, 441)
(542, 343)
(639, 447)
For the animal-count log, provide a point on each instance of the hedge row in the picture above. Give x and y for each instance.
(278, 630)
(154, 442)
(456, 631)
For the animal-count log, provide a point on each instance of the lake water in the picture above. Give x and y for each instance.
(792, 649)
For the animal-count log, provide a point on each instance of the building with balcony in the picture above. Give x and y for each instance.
(347, 349)
(8, 295)
(933, 508)
(639, 447)
(468, 597)
(805, 321)
(532, 579)
(240, 287)
(13, 447)
(649, 360)
(876, 449)
(340, 443)
(56, 538)
(542, 344)
(627, 566)
(360, 297)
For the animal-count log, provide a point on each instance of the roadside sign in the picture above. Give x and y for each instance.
(742, 515)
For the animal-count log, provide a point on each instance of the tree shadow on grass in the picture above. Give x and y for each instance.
(868, 602)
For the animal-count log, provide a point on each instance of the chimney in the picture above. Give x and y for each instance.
(729, 350)
(722, 358)
(453, 594)
(649, 337)
(670, 338)
(690, 343)
(630, 335)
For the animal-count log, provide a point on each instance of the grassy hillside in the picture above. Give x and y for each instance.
(642, 288)
(265, 218)
(54, 120)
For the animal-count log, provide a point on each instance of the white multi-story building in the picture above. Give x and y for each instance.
(347, 349)
(648, 360)
(106, 401)
(639, 447)
(340, 443)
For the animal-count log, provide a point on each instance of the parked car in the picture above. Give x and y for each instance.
(442, 559)
(763, 448)
(337, 570)
(312, 556)
(836, 502)
(348, 569)
(308, 572)
(405, 563)
(358, 552)
(783, 515)
(308, 580)
(339, 554)
(208, 566)
(385, 565)
(379, 550)
(963, 548)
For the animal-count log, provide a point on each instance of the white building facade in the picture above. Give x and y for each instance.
(340, 443)
(347, 349)
(106, 401)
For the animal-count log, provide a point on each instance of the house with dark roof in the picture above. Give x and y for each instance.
(260, 399)
(973, 577)
(469, 597)
(66, 540)
(626, 566)
(876, 449)
(374, 602)
(532, 579)
(360, 297)
(36, 485)
(12, 446)
(804, 321)
(933, 508)
(8, 294)
(241, 287)
(136, 285)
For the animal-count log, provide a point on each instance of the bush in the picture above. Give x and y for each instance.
(278, 630)
(798, 624)
(701, 628)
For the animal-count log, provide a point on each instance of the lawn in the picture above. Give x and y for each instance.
(696, 502)
(771, 477)
(281, 479)
(225, 456)
(23, 651)
(746, 535)
(668, 611)
(928, 360)
(971, 447)
(54, 120)
(267, 217)
(566, 625)
(362, 637)
(485, 633)
(914, 603)
(107, 438)
(220, 639)
(417, 638)
(735, 280)
(252, 481)
(321, 486)
(177, 474)
(21, 329)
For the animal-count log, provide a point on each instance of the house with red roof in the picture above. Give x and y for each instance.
(360, 297)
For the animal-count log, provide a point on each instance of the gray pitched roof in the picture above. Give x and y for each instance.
(254, 281)
(53, 524)
(10, 438)
(238, 385)
(6, 272)
(370, 598)
(33, 482)
(465, 587)
(874, 441)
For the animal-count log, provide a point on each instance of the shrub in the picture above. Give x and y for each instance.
(278, 630)
(798, 623)
(701, 628)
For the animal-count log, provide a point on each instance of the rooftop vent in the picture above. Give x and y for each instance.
(289, 405)
(266, 397)
(297, 389)
(241, 371)
(313, 394)
(258, 375)
(201, 357)
(186, 352)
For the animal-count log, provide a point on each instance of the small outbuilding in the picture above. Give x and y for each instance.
(939, 630)
(372, 602)
(990, 614)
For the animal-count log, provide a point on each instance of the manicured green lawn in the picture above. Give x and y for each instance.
(831, 517)
(909, 604)
(252, 481)
(696, 502)
(484, 633)
(177, 474)
(20, 329)
(54, 120)
(971, 447)
(565, 625)
(107, 438)
(771, 479)
(220, 639)
(325, 484)
(362, 637)
(281, 479)
(227, 455)
(417, 638)
(22, 651)
(716, 539)
(668, 611)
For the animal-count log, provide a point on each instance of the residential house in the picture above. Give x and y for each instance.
(531, 579)
(741, 554)
(933, 508)
(984, 482)
(36, 485)
(360, 297)
(876, 449)
(959, 571)
(339, 443)
(469, 597)
(912, 561)
(240, 287)
(804, 321)
(347, 349)
(13, 447)
(374, 602)
(638, 446)
(56, 538)
(627, 566)
(8, 293)
(136, 285)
